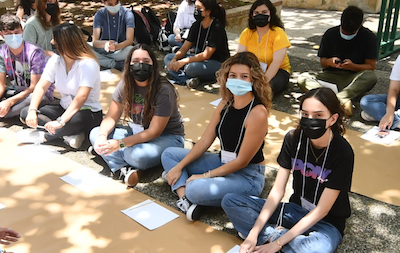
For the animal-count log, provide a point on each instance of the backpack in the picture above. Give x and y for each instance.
(169, 25)
(142, 28)
(162, 40)
(153, 20)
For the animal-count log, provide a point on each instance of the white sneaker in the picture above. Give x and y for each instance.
(75, 141)
(29, 136)
(367, 117)
(164, 176)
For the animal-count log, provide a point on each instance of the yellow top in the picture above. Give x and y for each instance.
(277, 39)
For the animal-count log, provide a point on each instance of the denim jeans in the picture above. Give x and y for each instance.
(172, 42)
(210, 191)
(140, 156)
(204, 70)
(375, 105)
(243, 211)
(108, 59)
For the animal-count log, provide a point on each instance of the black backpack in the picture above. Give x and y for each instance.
(153, 20)
(169, 26)
(142, 28)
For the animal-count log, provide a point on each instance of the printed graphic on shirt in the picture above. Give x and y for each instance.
(311, 170)
(137, 108)
(18, 73)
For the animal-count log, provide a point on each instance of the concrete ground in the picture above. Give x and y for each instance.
(374, 225)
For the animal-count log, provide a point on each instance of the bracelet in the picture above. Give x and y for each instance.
(204, 175)
(279, 244)
(61, 121)
(209, 174)
(33, 109)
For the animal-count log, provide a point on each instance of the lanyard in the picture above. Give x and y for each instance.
(265, 49)
(205, 38)
(241, 131)
(319, 178)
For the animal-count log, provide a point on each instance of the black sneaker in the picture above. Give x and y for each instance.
(193, 82)
(191, 210)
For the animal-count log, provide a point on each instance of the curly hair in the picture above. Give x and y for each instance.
(329, 99)
(130, 84)
(275, 19)
(261, 86)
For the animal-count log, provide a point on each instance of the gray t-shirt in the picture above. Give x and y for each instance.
(35, 33)
(165, 106)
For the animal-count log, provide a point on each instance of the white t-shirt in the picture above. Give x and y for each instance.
(84, 73)
(185, 16)
(395, 75)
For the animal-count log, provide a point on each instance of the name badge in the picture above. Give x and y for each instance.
(307, 204)
(227, 156)
(263, 66)
(136, 128)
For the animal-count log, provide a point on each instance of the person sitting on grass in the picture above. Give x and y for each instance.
(155, 122)
(240, 122)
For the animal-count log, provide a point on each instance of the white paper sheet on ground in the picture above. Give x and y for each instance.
(235, 249)
(106, 75)
(2, 129)
(150, 215)
(371, 136)
(331, 86)
(2, 206)
(35, 153)
(171, 81)
(85, 179)
(216, 102)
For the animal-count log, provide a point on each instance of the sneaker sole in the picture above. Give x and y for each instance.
(128, 176)
(193, 213)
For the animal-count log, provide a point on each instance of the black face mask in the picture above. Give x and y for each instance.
(261, 20)
(51, 8)
(197, 15)
(141, 71)
(313, 128)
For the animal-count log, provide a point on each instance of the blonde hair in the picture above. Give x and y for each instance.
(261, 86)
(70, 42)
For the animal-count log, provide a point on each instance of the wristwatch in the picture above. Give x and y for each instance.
(121, 144)
(62, 122)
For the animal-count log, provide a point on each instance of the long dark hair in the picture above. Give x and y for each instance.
(217, 11)
(41, 13)
(275, 20)
(26, 5)
(154, 86)
(329, 99)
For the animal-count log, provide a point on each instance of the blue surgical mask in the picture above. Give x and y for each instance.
(13, 40)
(238, 87)
(114, 9)
(347, 37)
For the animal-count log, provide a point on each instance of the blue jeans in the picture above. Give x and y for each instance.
(140, 156)
(204, 70)
(108, 59)
(375, 105)
(243, 211)
(172, 42)
(210, 191)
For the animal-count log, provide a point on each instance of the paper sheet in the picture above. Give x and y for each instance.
(2, 206)
(331, 86)
(85, 179)
(150, 215)
(371, 135)
(235, 249)
(216, 102)
(106, 75)
(35, 153)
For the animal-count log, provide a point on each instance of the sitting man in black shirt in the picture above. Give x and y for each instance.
(348, 55)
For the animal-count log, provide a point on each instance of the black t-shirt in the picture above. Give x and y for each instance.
(231, 127)
(337, 173)
(216, 38)
(363, 46)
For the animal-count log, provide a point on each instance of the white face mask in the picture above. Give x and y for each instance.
(114, 9)
(348, 37)
(13, 40)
